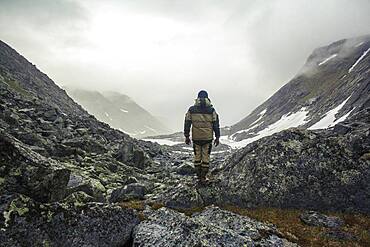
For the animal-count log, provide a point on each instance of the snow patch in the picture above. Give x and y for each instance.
(344, 117)
(253, 125)
(329, 119)
(287, 121)
(327, 59)
(359, 44)
(179, 152)
(359, 60)
(123, 110)
(187, 148)
(245, 130)
(261, 114)
(163, 142)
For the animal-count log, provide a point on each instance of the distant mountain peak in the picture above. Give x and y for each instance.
(120, 112)
(333, 84)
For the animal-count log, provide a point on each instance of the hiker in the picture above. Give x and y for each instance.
(203, 121)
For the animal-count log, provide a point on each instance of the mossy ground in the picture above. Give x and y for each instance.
(289, 224)
(14, 85)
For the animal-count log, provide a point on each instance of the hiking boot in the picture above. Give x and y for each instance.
(203, 180)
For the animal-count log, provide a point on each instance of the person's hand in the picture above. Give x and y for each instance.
(217, 142)
(187, 140)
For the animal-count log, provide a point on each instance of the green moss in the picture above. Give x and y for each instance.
(96, 184)
(46, 243)
(14, 85)
(49, 216)
(15, 172)
(17, 206)
(365, 156)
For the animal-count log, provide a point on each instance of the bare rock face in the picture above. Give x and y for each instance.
(322, 170)
(58, 165)
(212, 227)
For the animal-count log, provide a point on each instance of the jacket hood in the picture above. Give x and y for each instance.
(207, 102)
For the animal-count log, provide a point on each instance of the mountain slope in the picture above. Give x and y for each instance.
(333, 84)
(119, 111)
(24, 77)
(59, 165)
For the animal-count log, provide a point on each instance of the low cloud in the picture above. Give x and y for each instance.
(161, 53)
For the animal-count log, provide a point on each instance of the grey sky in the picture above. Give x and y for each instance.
(161, 53)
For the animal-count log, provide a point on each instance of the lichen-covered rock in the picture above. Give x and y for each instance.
(24, 222)
(313, 218)
(130, 154)
(212, 227)
(90, 186)
(319, 170)
(27, 172)
(129, 192)
(78, 198)
(183, 195)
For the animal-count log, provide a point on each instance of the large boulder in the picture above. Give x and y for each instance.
(135, 191)
(212, 227)
(313, 218)
(27, 172)
(25, 222)
(186, 169)
(90, 186)
(131, 155)
(319, 170)
(182, 196)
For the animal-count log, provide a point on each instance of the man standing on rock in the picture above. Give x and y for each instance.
(203, 121)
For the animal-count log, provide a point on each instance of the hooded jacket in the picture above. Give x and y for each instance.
(204, 119)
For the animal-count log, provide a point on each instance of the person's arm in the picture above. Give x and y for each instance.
(216, 128)
(187, 125)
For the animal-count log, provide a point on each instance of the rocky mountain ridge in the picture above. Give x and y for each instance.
(333, 84)
(119, 111)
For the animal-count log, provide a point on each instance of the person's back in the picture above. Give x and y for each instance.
(203, 121)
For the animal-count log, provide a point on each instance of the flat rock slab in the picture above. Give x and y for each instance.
(212, 227)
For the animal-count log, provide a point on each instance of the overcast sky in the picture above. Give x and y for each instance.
(161, 53)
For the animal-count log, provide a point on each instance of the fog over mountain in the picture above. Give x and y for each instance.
(162, 52)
